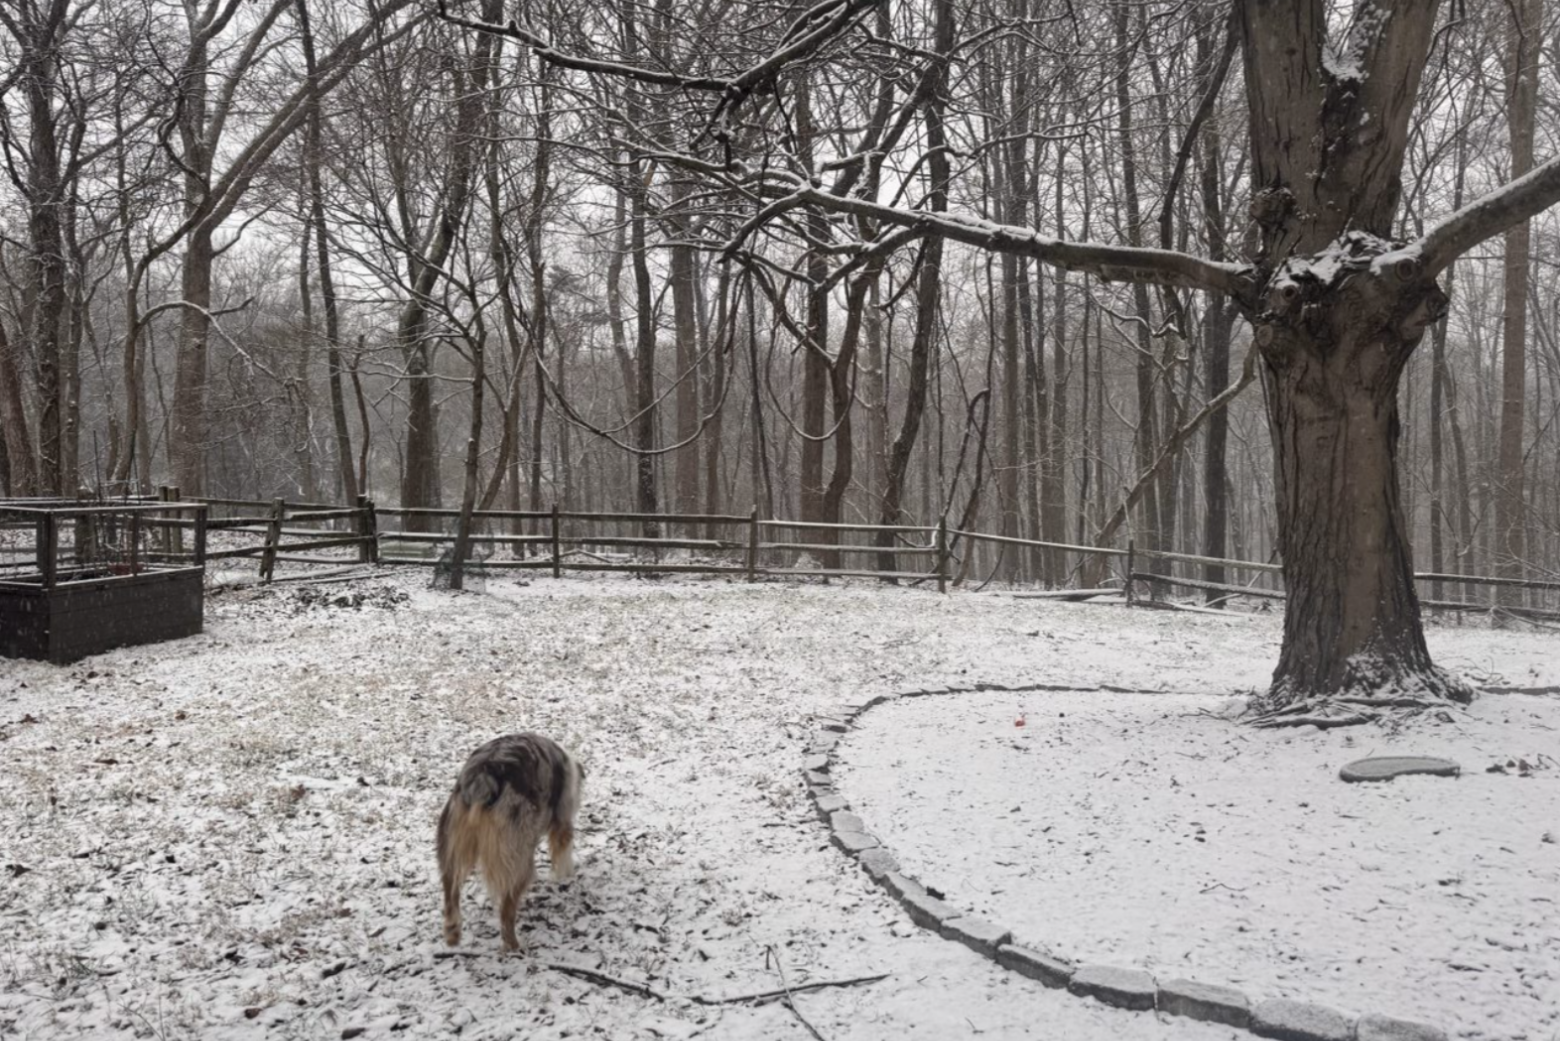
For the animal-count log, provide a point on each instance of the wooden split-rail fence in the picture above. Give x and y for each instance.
(746, 546)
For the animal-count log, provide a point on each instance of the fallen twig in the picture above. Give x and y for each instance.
(643, 990)
(790, 1002)
(770, 995)
(784, 992)
(1221, 885)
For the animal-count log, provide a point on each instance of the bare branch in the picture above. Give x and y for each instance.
(1111, 263)
(1487, 217)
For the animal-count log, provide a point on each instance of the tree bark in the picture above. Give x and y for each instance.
(815, 356)
(421, 486)
(1521, 56)
(39, 36)
(927, 296)
(1331, 366)
(13, 423)
(315, 154)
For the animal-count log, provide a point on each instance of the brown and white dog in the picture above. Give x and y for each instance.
(511, 791)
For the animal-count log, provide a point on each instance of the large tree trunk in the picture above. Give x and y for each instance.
(686, 327)
(1333, 349)
(39, 32)
(13, 422)
(927, 301)
(421, 486)
(187, 440)
(316, 221)
(815, 357)
(1335, 320)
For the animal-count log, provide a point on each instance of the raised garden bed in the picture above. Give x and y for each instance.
(120, 576)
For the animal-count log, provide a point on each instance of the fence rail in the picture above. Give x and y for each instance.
(276, 531)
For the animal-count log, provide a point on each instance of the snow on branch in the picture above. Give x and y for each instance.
(1487, 217)
(1112, 263)
(808, 32)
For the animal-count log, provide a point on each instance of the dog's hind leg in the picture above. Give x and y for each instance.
(560, 847)
(509, 906)
(457, 859)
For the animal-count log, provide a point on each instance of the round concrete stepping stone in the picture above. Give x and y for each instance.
(1386, 767)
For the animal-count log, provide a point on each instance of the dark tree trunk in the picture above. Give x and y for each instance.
(1333, 351)
(39, 34)
(338, 400)
(686, 329)
(187, 439)
(815, 357)
(644, 358)
(927, 298)
(13, 422)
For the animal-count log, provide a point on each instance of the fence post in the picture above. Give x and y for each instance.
(557, 551)
(1131, 555)
(176, 533)
(752, 547)
(48, 547)
(164, 539)
(942, 554)
(135, 543)
(368, 530)
(200, 536)
(273, 535)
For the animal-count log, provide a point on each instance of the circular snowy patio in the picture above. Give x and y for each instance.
(1148, 830)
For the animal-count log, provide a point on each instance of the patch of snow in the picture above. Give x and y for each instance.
(1149, 831)
(230, 836)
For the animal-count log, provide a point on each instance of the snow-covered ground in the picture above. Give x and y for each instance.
(230, 836)
(1147, 831)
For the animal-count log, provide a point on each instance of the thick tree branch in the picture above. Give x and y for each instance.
(1487, 217)
(1111, 263)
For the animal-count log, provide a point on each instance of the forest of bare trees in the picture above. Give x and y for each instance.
(829, 260)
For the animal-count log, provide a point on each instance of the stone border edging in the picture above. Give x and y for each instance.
(1279, 1018)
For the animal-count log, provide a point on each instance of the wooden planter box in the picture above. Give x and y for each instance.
(90, 611)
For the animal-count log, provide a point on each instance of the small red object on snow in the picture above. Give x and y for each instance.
(1019, 721)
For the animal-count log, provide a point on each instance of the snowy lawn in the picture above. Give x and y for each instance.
(1146, 831)
(231, 835)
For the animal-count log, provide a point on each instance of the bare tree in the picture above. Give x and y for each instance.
(1336, 303)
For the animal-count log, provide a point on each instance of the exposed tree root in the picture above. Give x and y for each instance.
(1372, 691)
(1273, 721)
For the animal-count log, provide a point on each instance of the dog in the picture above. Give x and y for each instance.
(511, 791)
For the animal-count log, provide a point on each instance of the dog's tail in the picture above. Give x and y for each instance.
(479, 786)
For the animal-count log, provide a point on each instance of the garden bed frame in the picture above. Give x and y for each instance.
(82, 598)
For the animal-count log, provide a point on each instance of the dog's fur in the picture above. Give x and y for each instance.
(511, 791)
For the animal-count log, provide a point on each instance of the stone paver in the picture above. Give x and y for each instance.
(1298, 1021)
(976, 933)
(1036, 965)
(1204, 1001)
(1123, 988)
(1373, 1027)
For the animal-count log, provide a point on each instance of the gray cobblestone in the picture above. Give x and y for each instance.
(1036, 965)
(1298, 1021)
(925, 909)
(877, 861)
(844, 820)
(1204, 1001)
(976, 933)
(1384, 1028)
(854, 841)
(1123, 988)
(829, 803)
